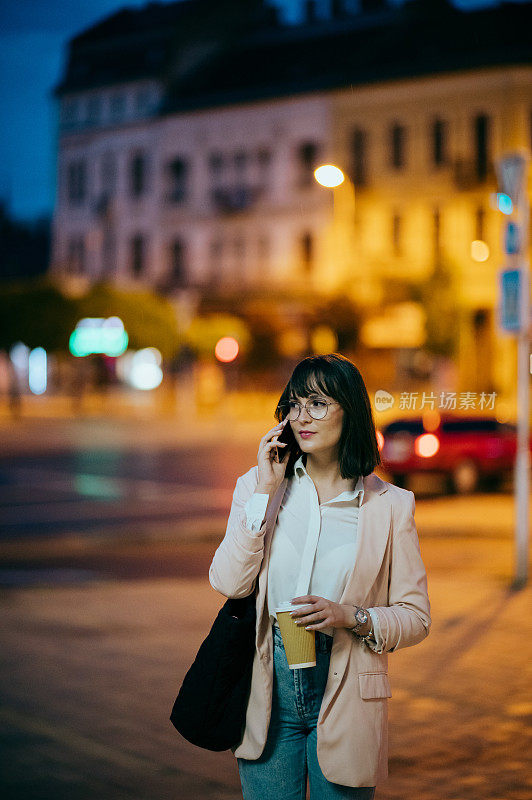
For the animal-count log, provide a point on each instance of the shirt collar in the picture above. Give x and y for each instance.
(300, 470)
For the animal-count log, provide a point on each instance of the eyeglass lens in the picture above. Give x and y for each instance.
(316, 408)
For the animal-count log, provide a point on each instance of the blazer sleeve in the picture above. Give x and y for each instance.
(237, 560)
(406, 620)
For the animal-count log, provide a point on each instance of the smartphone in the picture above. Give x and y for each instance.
(286, 435)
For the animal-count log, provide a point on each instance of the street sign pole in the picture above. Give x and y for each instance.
(512, 172)
(522, 461)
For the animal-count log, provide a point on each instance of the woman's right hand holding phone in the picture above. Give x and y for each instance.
(271, 472)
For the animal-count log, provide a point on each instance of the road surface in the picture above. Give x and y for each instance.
(107, 535)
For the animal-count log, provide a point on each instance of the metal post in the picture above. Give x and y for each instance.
(522, 460)
(512, 170)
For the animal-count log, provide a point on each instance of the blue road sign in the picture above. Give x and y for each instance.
(512, 238)
(509, 284)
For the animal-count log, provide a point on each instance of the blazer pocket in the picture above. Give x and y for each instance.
(374, 685)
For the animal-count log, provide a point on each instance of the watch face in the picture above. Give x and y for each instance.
(361, 615)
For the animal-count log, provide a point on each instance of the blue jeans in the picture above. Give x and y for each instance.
(280, 773)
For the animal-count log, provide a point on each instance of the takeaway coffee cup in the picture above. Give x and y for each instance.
(299, 644)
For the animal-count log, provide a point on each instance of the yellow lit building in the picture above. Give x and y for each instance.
(421, 155)
(188, 163)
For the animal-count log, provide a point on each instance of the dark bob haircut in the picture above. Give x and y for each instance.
(337, 377)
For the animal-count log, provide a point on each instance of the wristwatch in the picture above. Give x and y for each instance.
(361, 616)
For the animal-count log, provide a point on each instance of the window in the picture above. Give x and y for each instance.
(264, 161)
(307, 157)
(481, 135)
(217, 169)
(240, 162)
(215, 255)
(143, 100)
(359, 146)
(307, 251)
(264, 158)
(177, 275)
(108, 174)
(439, 142)
(76, 182)
(436, 232)
(138, 254)
(138, 175)
(480, 218)
(396, 233)
(178, 174)
(118, 106)
(108, 252)
(76, 255)
(398, 142)
(94, 109)
(70, 113)
(216, 164)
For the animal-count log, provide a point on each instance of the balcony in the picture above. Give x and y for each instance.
(235, 199)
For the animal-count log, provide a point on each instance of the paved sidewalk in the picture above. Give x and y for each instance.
(89, 673)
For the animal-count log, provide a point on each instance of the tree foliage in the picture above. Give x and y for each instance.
(37, 313)
(149, 320)
(205, 331)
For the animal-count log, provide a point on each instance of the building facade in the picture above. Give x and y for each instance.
(187, 163)
(192, 200)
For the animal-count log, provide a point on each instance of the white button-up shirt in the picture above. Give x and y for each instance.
(301, 515)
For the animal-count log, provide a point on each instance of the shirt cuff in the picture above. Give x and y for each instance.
(255, 510)
(375, 642)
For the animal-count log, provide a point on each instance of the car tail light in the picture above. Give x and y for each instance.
(426, 445)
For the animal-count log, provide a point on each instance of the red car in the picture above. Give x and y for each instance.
(471, 452)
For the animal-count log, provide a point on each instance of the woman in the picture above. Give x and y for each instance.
(327, 721)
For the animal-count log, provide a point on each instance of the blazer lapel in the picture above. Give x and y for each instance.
(373, 528)
(374, 522)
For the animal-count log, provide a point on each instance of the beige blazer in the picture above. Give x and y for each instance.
(389, 575)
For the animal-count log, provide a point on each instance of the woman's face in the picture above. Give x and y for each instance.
(325, 432)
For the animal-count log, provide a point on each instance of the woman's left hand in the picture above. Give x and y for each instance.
(321, 613)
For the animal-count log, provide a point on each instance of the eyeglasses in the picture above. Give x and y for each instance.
(316, 408)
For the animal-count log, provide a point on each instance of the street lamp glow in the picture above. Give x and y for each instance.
(479, 250)
(98, 335)
(226, 349)
(328, 175)
(37, 370)
(141, 369)
(502, 202)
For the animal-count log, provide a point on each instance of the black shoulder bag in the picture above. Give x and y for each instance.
(210, 709)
